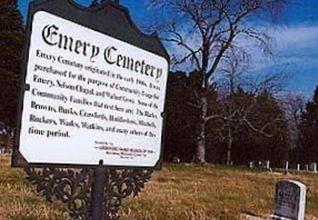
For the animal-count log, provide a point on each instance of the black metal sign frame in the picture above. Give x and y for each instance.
(109, 18)
(90, 192)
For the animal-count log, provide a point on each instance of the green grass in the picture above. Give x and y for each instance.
(177, 192)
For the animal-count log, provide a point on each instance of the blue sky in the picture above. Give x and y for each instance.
(134, 7)
(295, 44)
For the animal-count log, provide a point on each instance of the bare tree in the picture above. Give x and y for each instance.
(206, 31)
(294, 106)
(239, 100)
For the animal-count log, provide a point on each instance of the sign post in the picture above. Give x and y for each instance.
(98, 192)
(92, 107)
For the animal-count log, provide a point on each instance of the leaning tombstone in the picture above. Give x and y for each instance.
(92, 105)
(290, 200)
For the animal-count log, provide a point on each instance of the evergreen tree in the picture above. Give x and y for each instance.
(309, 132)
(181, 119)
(11, 44)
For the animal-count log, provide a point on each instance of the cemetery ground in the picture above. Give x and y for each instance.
(177, 192)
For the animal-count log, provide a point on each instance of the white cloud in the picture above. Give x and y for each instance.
(289, 37)
(291, 45)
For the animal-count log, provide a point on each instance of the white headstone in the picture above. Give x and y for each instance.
(176, 160)
(267, 164)
(313, 167)
(286, 166)
(251, 164)
(290, 199)
(298, 167)
(307, 167)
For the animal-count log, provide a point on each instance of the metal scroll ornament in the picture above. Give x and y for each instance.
(73, 187)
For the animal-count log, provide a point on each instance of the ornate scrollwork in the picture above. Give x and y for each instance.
(73, 187)
(121, 184)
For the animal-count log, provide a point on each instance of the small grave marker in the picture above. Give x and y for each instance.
(286, 167)
(313, 167)
(298, 167)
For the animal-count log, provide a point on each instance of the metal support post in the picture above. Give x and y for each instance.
(97, 212)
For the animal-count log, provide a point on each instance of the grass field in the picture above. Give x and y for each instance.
(177, 192)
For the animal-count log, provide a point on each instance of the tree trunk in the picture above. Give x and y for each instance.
(7, 143)
(200, 154)
(229, 147)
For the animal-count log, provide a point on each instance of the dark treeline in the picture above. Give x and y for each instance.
(240, 125)
(306, 150)
(11, 45)
(227, 140)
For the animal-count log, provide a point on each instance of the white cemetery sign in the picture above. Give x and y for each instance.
(90, 97)
(290, 200)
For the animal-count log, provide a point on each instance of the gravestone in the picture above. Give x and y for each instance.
(313, 167)
(286, 167)
(290, 200)
(307, 167)
(251, 164)
(298, 167)
(176, 160)
(268, 166)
